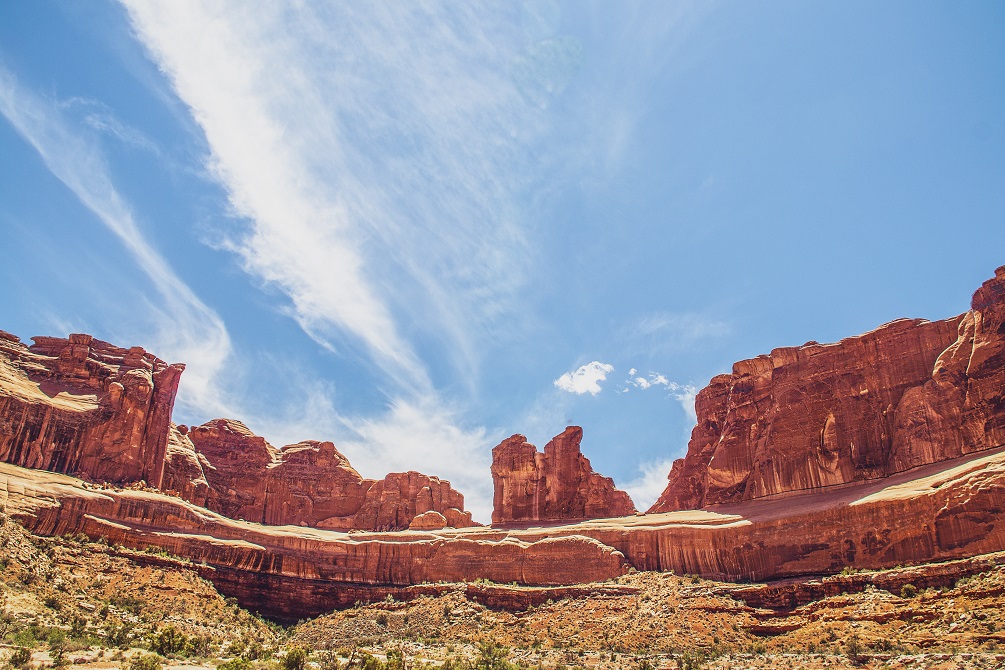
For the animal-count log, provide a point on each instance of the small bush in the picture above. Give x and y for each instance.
(381, 619)
(854, 651)
(295, 658)
(197, 645)
(395, 660)
(20, 657)
(116, 636)
(690, 660)
(146, 662)
(492, 656)
(168, 641)
(908, 591)
(235, 664)
(254, 651)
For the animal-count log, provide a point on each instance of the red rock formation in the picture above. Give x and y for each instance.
(305, 484)
(938, 512)
(80, 405)
(909, 393)
(86, 407)
(558, 485)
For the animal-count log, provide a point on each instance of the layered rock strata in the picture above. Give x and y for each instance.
(909, 393)
(80, 405)
(557, 485)
(948, 510)
(225, 467)
(85, 407)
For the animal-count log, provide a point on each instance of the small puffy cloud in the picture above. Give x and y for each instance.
(586, 379)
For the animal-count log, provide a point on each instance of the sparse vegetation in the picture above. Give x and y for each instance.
(146, 662)
(295, 658)
(99, 602)
(20, 657)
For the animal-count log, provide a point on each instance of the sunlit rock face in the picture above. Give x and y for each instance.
(85, 407)
(557, 485)
(225, 467)
(80, 405)
(909, 393)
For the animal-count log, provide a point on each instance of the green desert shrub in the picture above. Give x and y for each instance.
(20, 657)
(295, 658)
(235, 664)
(146, 662)
(168, 641)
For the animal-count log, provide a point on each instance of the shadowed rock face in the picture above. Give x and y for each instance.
(557, 485)
(909, 393)
(80, 405)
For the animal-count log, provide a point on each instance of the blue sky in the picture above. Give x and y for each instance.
(418, 228)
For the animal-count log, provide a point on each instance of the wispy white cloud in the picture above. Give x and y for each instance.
(373, 154)
(101, 118)
(683, 393)
(187, 330)
(673, 332)
(413, 433)
(585, 379)
(637, 381)
(650, 483)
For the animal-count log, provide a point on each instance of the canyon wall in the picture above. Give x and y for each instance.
(909, 393)
(85, 407)
(225, 467)
(557, 485)
(80, 405)
(943, 511)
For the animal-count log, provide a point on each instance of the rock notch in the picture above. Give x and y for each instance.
(557, 485)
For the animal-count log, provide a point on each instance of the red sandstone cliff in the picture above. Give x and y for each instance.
(909, 393)
(947, 510)
(80, 405)
(225, 467)
(557, 485)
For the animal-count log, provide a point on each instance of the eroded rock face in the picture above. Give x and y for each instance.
(939, 512)
(909, 393)
(80, 405)
(557, 485)
(305, 484)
